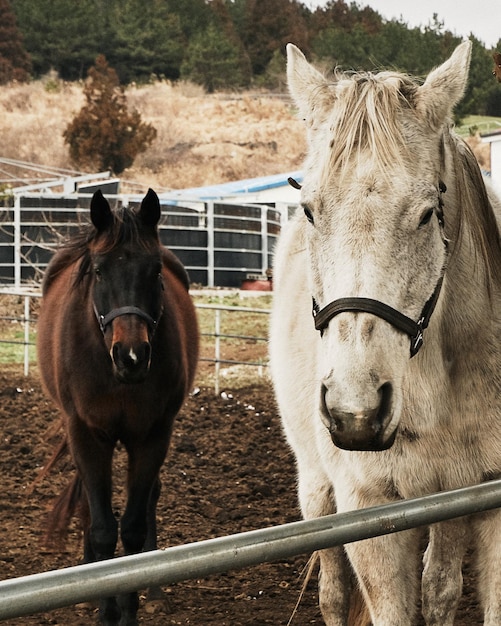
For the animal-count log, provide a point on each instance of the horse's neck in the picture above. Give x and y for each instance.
(472, 288)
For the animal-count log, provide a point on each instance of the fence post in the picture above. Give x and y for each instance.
(210, 243)
(217, 350)
(17, 241)
(264, 239)
(26, 335)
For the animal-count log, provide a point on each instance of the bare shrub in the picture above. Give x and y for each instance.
(105, 135)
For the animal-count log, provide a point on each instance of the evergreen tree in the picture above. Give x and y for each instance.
(223, 21)
(194, 15)
(62, 35)
(15, 63)
(224, 43)
(213, 61)
(105, 135)
(482, 93)
(147, 39)
(269, 26)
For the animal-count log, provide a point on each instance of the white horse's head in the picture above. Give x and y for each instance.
(372, 197)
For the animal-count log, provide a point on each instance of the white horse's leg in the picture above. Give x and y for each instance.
(442, 577)
(388, 568)
(487, 532)
(293, 357)
(317, 499)
(388, 572)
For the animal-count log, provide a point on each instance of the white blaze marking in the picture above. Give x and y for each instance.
(133, 355)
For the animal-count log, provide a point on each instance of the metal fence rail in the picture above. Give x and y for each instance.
(218, 336)
(219, 242)
(55, 589)
(28, 322)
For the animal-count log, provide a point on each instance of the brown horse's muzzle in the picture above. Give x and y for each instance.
(130, 349)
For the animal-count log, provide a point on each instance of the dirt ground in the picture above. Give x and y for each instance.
(228, 470)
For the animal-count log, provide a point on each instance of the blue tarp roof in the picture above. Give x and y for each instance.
(248, 185)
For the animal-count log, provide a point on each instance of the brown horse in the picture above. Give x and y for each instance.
(117, 348)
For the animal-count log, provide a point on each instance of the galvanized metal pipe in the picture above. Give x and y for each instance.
(50, 590)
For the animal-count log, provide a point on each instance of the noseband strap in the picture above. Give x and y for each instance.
(398, 320)
(105, 320)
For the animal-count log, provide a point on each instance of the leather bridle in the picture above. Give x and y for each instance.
(398, 320)
(105, 320)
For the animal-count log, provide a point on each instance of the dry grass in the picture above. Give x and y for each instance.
(202, 139)
(32, 121)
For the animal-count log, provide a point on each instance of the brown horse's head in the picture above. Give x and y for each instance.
(126, 264)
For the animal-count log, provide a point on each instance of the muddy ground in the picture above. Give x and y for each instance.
(228, 471)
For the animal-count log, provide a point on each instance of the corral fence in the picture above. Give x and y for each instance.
(55, 589)
(28, 321)
(219, 242)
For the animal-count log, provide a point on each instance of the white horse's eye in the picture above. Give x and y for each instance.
(426, 217)
(309, 214)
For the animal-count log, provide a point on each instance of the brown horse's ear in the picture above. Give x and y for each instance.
(100, 211)
(149, 212)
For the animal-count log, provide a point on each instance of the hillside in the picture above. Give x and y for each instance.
(202, 139)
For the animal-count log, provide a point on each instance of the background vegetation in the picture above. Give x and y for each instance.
(222, 43)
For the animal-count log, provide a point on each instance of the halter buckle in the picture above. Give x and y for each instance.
(418, 338)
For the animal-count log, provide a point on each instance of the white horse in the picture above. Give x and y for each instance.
(396, 241)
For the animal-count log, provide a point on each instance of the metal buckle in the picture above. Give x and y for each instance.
(417, 340)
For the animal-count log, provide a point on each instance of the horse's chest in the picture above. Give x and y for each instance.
(121, 412)
(429, 464)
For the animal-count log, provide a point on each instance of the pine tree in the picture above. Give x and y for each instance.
(269, 25)
(213, 61)
(147, 40)
(15, 63)
(62, 35)
(105, 135)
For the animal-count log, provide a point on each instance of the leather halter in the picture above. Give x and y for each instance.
(105, 320)
(401, 322)
(407, 325)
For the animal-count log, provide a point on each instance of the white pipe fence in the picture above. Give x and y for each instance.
(55, 589)
(218, 336)
(28, 322)
(219, 242)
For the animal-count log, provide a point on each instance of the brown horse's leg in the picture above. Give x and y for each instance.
(138, 524)
(92, 454)
(154, 593)
(151, 517)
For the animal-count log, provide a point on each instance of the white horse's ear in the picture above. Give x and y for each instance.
(307, 86)
(444, 87)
